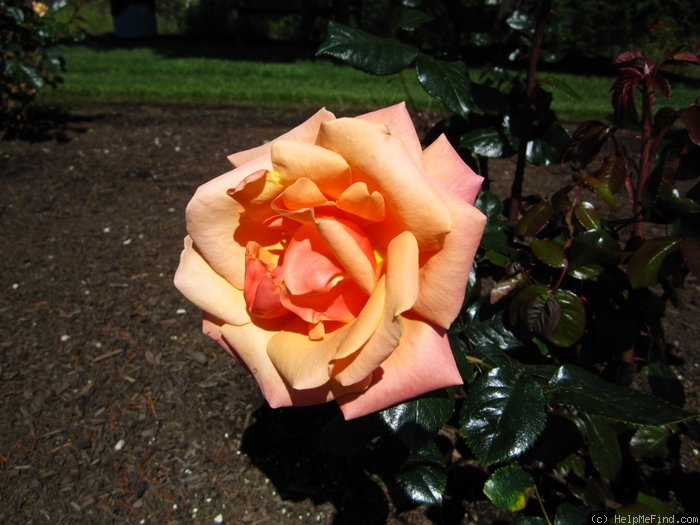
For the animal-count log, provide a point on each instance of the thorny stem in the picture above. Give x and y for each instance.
(516, 191)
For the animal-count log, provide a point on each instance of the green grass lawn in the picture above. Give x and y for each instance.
(146, 75)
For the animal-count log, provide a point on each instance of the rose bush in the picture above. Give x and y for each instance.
(332, 260)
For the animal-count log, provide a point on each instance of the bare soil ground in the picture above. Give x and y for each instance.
(114, 408)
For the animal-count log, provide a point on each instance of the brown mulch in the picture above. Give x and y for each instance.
(114, 407)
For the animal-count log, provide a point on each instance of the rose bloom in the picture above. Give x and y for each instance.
(332, 260)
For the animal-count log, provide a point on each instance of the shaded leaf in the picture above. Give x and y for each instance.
(644, 264)
(506, 286)
(558, 316)
(691, 119)
(412, 19)
(650, 442)
(535, 219)
(613, 172)
(586, 143)
(602, 189)
(491, 333)
(366, 52)
(593, 246)
(587, 215)
(509, 488)
(645, 505)
(417, 420)
(423, 476)
(586, 392)
(447, 81)
(568, 514)
(549, 252)
(603, 446)
(503, 415)
(486, 143)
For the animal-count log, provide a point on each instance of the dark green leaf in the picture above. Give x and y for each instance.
(602, 189)
(593, 246)
(418, 420)
(586, 272)
(568, 514)
(490, 205)
(587, 215)
(603, 446)
(503, 415)
(612, 173)
(560, 84)
(366, 52)
(423, 476)
(549, 145)
(486, 143)
(509, 487)
(572, 322)
(535, 219)
(645, 505)
(586, 392)
(412, 19)
(558, 316)
(649, 442)
(447, 81)
(491, 333)
(549, 252)
(530, 520)
(644, 264)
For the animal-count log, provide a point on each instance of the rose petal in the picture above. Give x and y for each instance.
(303, 362)
(357, 199)
(401, 293)
(444, 275)
(386, 165)
(423, 362)
(247, 343)
(301, 194)
(208, 290)
(444, 164)
(397, 119)
(352, 250)
(295, 160)
(212, 218)
(305, 132)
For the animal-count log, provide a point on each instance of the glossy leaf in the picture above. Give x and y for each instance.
(586, 142)
(547, 148)
(602, 189)
(650, 442)
(645, 263)
(509, 488)
(612, 173)
(549, 252)
(491, 333)
(587, 215)
(558, 316)
(603, 446)
(593, 246)
(423, 476)
(506, 286)
(447, 81)
(366, 52)
(586, 392)
(535, 219)
(415, 421)
(487, 143)
(503, 415)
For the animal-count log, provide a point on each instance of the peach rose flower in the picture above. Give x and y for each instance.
(332, 260)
